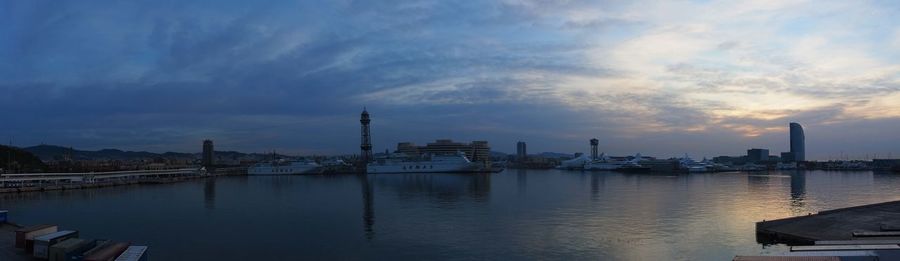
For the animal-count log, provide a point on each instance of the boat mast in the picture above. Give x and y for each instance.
(9, 156)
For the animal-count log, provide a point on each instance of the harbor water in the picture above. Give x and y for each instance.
(515, 214)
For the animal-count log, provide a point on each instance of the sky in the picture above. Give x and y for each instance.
(662, 78)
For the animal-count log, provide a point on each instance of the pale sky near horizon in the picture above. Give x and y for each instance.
(662, 78)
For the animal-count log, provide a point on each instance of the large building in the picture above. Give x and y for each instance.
(208, 160)
(476, 151)
(788, 157)
(886, 164)
(594, 144)
(798, 142)
(521, 152)
(757, 155)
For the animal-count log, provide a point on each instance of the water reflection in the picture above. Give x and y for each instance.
(447, 190)
(209, 194)
(597, 181)
(368, 207)
(522, 180)
(561, 215)
(758, 183)
(798, 190)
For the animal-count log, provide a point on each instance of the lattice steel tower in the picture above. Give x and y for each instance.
(366, 146)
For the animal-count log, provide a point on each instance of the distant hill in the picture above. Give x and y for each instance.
(53, 152)
(20, 160)
(555, 155)
(552, 155)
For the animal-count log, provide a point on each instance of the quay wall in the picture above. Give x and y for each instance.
(35, 182)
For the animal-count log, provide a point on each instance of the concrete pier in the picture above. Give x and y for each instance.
(838, 224)
(36, 182)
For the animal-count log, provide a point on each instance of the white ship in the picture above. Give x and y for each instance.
(283, 168)
(401, 163)
(606, 163)
(705, 165)
(574, 164)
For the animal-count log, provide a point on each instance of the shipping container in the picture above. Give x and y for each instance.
(25, 236)
(59, 250)
(43, 243)
(96, 245)
(108, 253)
(78, 253)
(134, 253)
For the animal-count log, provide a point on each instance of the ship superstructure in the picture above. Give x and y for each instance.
(441, 163)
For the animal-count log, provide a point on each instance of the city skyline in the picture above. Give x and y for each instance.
(705, 78)
(447, 130)
(796, 151)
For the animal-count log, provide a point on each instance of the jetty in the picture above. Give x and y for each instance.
(867, 222)
(35, 182)
(48, 242)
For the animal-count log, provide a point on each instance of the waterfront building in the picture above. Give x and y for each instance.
(662, 165)
(208, 154)
(521, 152)
(798, 142)
(730, 160)
(787, 157)
(594, 150)
(366, 143)
(477, 151)
(757, 155)
(886, 164)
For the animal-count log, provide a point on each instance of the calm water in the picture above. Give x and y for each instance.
(516, 214)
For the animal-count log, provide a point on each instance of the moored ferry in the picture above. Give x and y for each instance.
(402, 163)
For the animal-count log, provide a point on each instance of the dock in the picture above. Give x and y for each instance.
(7, 238)
(36, 182)
(866, 222)
(47, 242)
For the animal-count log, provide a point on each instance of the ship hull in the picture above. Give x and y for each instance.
(603, 166)
(281, 170)
(394, 169)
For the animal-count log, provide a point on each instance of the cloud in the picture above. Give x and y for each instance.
(166, 73)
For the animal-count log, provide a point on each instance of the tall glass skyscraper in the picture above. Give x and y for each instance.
(798, 142)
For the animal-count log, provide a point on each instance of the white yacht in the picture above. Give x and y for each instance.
(705, 165)
(577, 163)
(401, 163)
(606, 163)
(283, 168)
(692, 166)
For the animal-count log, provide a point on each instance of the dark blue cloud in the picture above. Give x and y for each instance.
(293, 76)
